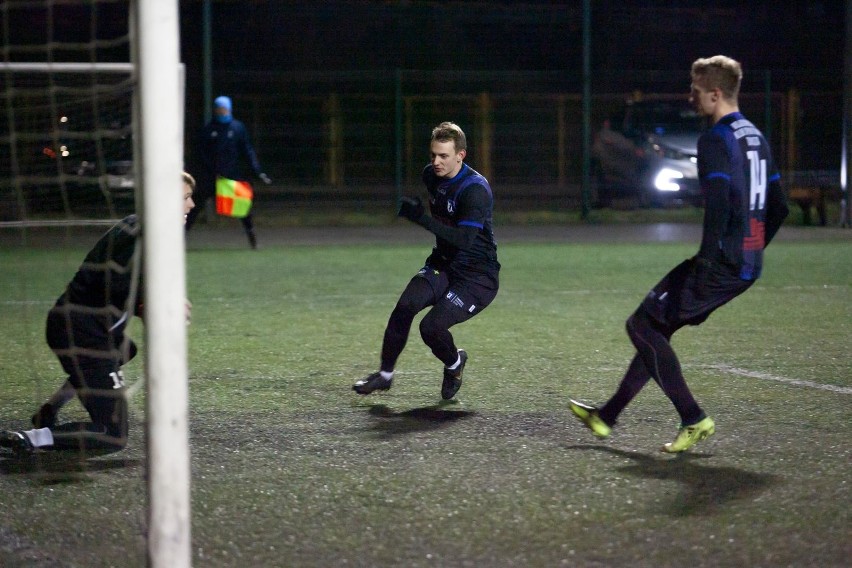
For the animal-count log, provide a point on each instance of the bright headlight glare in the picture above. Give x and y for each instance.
(665, 180)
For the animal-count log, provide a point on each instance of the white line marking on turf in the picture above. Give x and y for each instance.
(768, 377)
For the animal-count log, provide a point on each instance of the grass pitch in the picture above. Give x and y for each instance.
(291, 468)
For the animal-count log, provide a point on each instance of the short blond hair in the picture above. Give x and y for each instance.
(188, 180)
(450, 132)
(718, 72)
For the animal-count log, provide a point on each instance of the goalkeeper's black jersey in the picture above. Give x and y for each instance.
(105, 276)
(463, 203)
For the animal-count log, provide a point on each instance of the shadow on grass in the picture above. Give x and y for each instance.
(51, 468)
(424, 419)
(706, 489)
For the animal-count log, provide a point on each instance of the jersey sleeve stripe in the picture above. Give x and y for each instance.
(718, 175)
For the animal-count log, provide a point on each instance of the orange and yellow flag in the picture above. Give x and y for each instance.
(233, 197)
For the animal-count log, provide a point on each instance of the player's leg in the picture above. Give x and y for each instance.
(653, 346)
(418, 294)
(248, 227)
(460, 303)
(100, 386)
(660, 300)
(97, 380)
(601, 420)
(45, 416)
(57, 337)
(635, 378)
(103, 394)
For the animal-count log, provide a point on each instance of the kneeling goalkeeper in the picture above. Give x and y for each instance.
(85, 329)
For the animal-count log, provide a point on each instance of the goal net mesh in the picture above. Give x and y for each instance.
(66, 176)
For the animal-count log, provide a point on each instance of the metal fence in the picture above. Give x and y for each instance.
(364, 135)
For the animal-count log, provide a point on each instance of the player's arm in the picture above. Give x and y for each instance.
(473, 206)
(248, 151)
(776, 208)
(715, 179)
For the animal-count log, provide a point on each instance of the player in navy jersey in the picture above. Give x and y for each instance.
(85, 329)
(460, 277)
(743, 208)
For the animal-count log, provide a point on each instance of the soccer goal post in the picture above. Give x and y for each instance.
(156, 53)
(79, 134)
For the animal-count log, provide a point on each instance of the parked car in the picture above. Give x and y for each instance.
(97, 164)
(648, 153)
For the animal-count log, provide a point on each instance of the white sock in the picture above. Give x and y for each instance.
(386, 375)
(39, 437)
(455, 365)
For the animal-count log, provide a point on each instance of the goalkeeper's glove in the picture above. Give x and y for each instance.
(264, 178)
(411, 208)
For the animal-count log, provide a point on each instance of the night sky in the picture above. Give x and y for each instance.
(502, 35)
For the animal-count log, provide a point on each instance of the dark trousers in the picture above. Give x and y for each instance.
(687, 295)
(92, 355)
(451, 303)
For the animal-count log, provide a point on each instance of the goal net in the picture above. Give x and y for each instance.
(66, 143)
(90, 106)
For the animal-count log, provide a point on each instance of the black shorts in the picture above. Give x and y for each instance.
(92, 354)
(464, 298)
(83, 341)
(692, 290)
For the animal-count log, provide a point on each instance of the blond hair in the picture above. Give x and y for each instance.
(188, 180)
(718, 72)
(450, 132)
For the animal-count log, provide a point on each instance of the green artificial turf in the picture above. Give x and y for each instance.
(291, 468)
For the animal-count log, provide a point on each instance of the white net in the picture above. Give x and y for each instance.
(66, 176)
(69, 99)
(66, 90)
(66, 144)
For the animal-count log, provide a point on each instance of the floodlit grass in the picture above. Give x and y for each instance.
(290, 468)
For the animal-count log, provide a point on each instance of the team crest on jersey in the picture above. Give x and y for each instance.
(451, 207)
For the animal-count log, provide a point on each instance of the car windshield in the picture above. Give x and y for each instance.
(662, 118)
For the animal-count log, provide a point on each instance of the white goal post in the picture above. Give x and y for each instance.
(160, 99)
(157, 109)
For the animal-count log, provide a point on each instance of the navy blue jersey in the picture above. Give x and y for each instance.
(227, 152)
(744, 204)
(464, 203)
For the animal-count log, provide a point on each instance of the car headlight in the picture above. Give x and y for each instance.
(666, 180)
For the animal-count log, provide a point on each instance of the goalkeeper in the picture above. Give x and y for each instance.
(85, 329)
(460, 278)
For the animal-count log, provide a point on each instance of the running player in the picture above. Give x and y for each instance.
(744, 207)
(460, 277)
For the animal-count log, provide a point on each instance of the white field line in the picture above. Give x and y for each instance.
(768, 377)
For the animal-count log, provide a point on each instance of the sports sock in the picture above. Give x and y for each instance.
(39, 437)
(386, 375)
(455, 365)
